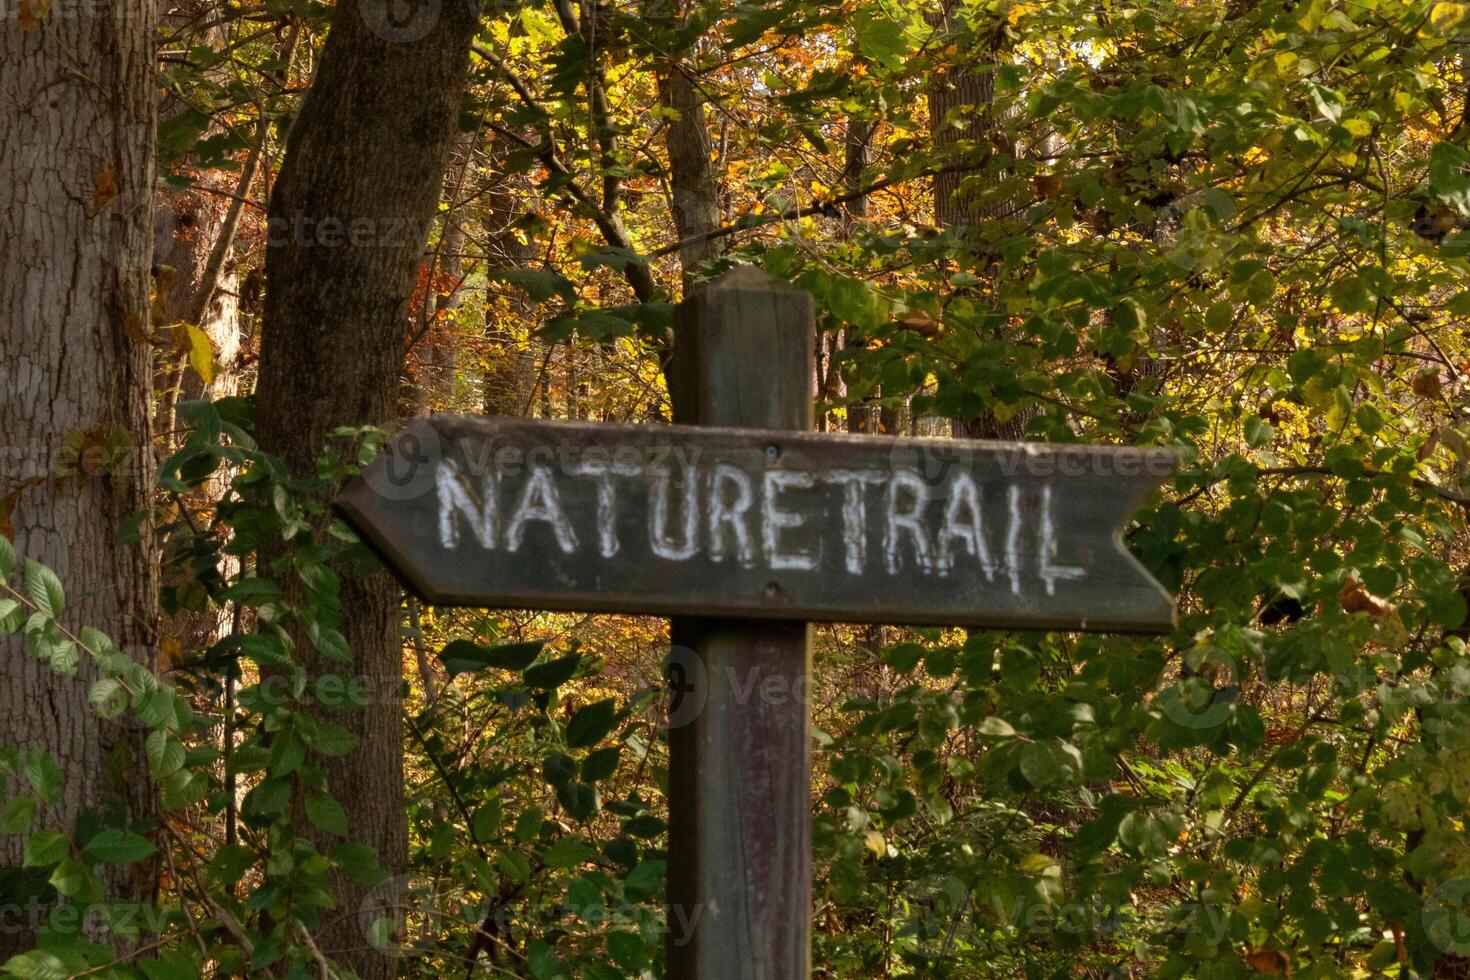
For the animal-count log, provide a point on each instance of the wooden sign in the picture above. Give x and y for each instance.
(749, 523)
(743, 535)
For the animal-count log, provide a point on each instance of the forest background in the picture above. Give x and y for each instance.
(242, 237)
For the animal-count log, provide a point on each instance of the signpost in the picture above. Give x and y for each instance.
(744, 527)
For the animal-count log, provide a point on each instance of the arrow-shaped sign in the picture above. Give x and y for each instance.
(686, 520)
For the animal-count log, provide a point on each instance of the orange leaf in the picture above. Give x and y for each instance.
(1269, 961)
(1356, 598)
(105, 191)
(31, 12)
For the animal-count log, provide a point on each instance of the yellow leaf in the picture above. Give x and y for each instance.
(1358, 127)
(1445, 17)
(1020, 10)
(1286, 62)
(874, 842)
(188, 337)
(1038, 864)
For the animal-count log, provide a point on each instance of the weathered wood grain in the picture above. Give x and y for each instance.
(836, 528)
(740, 763)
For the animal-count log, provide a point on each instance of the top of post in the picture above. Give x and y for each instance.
(743, 353)
(749, 278)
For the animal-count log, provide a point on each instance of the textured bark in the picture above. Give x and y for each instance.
(510, 368)
(77, 131)
(959, 113)
(962, 122)
(349, 214)
(187, 226)
(858, 157)
(434, 357)
(696, 191)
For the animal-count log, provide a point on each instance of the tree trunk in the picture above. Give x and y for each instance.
(963, 129)
(349, 216)
(435, 363)
(77, 124)
(510, 316)
(696, 191)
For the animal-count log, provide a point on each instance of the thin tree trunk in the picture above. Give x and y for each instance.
(962, 123)
(858, 157)
(349, 215)
(510, 371)
(436, 363)
(696, 191)
(77, 124)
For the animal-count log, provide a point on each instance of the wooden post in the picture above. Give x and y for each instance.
(739, 882)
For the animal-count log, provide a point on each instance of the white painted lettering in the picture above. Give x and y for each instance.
(540, 501)
(607, 500)
(457, 499)
(1013, 538)
(1050, 573)
(906, 483)
(963, 523)
(774, 520)
(855, 514)
(658, 524)
(728, 510)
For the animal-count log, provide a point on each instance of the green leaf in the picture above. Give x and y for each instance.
(107, 697)
(1143, 836)
(644, 880)
(1258, 432)
(7, 559)
(540, 284)
(230, 863)
(44, 589)
(44, 775)
(558, 769)
(113, 846)
(45, 848)
(627, 950)
(360, 863)
(72, 878)
(514, 866)
(165, 754)
(14, 616)
(38, 964)
(464, 657)
(18, 815)
(879, 36)
(567, 853)
(175, 965)
(1446, 608)
(178, 133)
(326, 813)
(590, 724)
(333, 741)
(1051, 762)
(554, 673)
